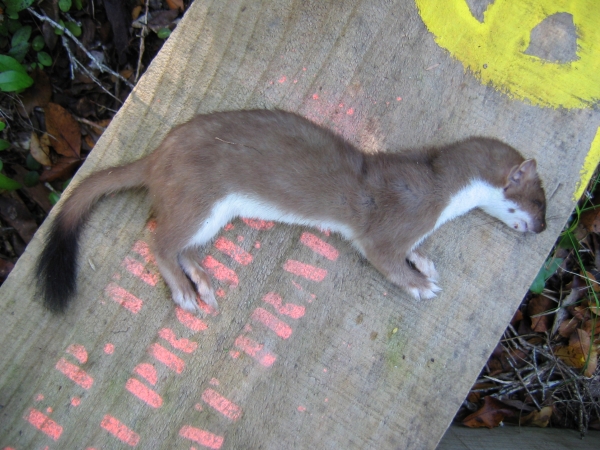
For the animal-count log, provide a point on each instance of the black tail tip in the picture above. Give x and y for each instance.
(56, 268)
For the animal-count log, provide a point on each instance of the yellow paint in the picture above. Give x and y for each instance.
(589, 165)
(499, 43)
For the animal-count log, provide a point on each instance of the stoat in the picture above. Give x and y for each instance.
(278, 166)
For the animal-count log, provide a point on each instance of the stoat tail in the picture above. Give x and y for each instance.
(57, 264)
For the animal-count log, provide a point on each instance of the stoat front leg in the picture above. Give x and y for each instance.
(421, 283)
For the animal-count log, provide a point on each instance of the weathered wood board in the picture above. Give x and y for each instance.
(312, 347)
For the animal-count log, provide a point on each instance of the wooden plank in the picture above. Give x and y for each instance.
(462, 438)
(351, 361)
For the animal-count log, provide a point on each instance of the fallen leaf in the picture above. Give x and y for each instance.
(539, 418)
(590, 219)
(38, 95)
(175, 4)
(538, 305)
(576, 353)
(62, 170)
(5, 268)
(594, 282)
(64, 130)
(517, 317)
(568, 326)
(39, 148)
(16, 214)
(490, 415)
(162, 19)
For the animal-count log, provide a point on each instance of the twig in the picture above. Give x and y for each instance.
(143, 34)
(98, 64)
(90, 123)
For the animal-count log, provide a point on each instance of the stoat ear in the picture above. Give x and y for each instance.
(526, 171)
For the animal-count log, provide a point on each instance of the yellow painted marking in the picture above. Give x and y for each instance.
(499, 42)
(589, 165)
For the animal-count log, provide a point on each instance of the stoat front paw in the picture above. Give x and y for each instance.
(425, 292)
(425, 266)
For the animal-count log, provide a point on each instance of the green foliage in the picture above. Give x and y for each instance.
(8, 184)
(4, 144)
(163, 33)
(19, 44)
(13, 81)
(73, 28)
(32, 164)
(14, 6)
(31, 178)
(64, 5)
(547, 270)
(38, 43)
(44, 59)
(54, 197)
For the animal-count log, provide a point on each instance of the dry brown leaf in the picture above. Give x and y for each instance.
(591, 220)
(539, 418)
(175, 4)
(537, 305)
(567, 327)
(489, 415)
(517, 317)
(64, 130)
(14, 212)
(135, 12)
(38, 193)
(62, 170)
(589, 324)
(39, 94)
(595, 285)
(5, 268)
(576, 353)
(39, 149)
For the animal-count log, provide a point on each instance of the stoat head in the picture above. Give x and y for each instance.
(523, 206)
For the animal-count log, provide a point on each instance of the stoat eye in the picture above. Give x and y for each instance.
(537, 203)
(511, 210)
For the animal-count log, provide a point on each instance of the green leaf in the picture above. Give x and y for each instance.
(78, 4)
(19, 51)
(31, 163)
(1, 165)
(44, 59)
(13, 25)
(4, 144)
(31, 179)
(11, 81)
(567, 241)
(64, 5)
(2, 125)
(163, 33)
(38, 43)
(8, 63)
(73, 28)
(17, 5)
(54, 197)
(59, 31)
(8, 184)
(21, 36)
(547, 270)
